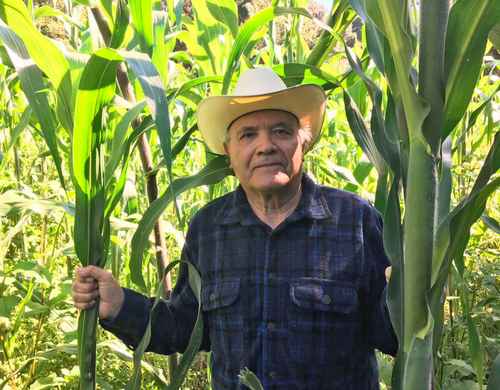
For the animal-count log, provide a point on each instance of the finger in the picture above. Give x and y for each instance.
(86, 305)
(83, 275)
(92, 272)
(84, 287)
(79, 297)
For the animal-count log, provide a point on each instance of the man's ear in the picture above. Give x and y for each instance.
(226, 150)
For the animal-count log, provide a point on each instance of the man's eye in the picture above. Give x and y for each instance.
(247, 135)
(281, 131)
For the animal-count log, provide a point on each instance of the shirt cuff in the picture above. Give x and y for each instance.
(132, 318)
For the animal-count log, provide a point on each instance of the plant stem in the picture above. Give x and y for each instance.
(147, 164)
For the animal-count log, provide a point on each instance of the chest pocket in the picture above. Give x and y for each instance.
(324, 321)
(221, 304)
(220, 293)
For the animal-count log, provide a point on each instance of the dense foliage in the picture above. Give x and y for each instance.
(115, 88)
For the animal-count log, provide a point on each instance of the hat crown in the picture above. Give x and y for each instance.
(258, 81)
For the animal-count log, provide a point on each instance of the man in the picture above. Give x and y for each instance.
(293, 283)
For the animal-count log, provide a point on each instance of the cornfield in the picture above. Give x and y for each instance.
(102, 163)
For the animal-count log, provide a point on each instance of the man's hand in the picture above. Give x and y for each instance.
(388, 271)
(92, 283)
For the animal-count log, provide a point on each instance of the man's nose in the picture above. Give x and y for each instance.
(266, 143)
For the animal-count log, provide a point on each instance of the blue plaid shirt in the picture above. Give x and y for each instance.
(302, 306)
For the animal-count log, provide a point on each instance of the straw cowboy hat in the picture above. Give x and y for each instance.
(260, 89)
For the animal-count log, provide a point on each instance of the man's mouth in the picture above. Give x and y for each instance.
(267, 165)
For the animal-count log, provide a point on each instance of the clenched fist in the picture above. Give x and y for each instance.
(92, 284)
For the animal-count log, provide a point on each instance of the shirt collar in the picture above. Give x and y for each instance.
(312, 205)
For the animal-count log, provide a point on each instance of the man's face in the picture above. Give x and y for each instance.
(265, 150)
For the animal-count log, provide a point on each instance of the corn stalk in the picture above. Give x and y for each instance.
(162, 259)
(421, 113)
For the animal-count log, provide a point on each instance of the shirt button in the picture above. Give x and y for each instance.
(271, 275)
(212, 297)
(326, 299)
(271, 326)
(272, 375)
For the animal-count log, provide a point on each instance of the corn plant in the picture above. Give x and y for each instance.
(410, 146)
(122, 83)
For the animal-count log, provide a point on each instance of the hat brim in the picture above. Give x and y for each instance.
(215, 113)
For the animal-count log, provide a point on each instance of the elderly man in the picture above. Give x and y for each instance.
(292, 272)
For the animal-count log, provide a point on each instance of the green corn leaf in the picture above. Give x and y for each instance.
(453, 233)
(196, 337)
(249, 379)
(124, 353)
(216, 170)
(156, 99)
(142, 19)
(194, 341)
(184, 88)
(179, 146)
(469, 23)
(247, 30)
(48, 11)
(295, 74)
(494, 379)
(387, 147)
(34, 88)
(388, 15)
(226, 13)
(88, 3)
(44, 53)
(107, 5)
(119, 136)
(397, 135)
(161, 49)
(393, 245)
(491, 165)
(19, 128)
(338, 20)
(121, 24)
(6, 240)
(91, 225)
(475, 346)
(377, 45)
(494, 36)
(492, 223)
(136, 378)
(202, 35)
(430, 68)
(338, 172)
(362, 170)
(362, 134)
(417, 374)
(20, 202)
(473, 118)
(88, 174)
(114, 190)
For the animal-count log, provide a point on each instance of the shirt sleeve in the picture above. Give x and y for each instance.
(378, 327)
(172, 320)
